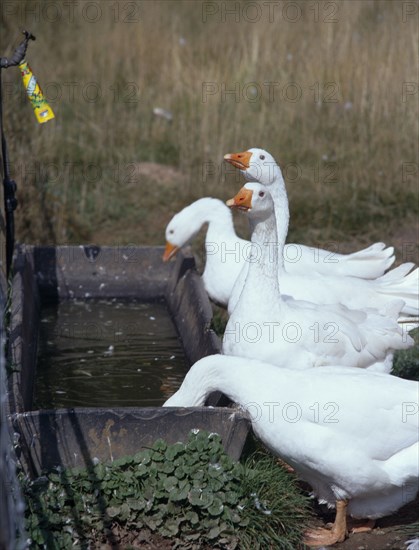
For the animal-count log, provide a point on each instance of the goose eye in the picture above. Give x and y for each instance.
(171, 231)
(261, 194)
(262, 157)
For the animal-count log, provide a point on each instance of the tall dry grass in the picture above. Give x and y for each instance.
(340, 113)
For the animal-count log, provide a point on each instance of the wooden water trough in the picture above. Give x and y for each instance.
(78, 436)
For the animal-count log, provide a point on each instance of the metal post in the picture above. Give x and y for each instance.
(9, 185)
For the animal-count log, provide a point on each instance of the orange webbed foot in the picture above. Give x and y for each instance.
(326, 537)
(323, 537)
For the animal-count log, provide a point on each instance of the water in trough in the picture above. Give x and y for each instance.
(112, 353)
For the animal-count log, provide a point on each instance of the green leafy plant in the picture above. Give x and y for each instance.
(193, 494)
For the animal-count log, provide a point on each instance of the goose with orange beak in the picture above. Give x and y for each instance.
(269, 326)
(314, 274)
(260, 166)
(360, 453)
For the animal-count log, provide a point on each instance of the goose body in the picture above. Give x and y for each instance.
(269, 326)
(352, 292)
(226, 256)
(351, 434)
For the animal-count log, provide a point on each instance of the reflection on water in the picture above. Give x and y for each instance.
(107, 354)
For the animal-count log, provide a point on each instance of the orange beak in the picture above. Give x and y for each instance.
(242, 201)
(170, 251)
(239, 160)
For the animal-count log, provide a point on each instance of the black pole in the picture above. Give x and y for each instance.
(9, 185)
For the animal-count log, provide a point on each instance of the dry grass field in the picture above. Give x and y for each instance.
(329, 88)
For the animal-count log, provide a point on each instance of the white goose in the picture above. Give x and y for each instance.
(369, 263)
(226, 254)
(340, 286)
(268, 326)
(351, 434)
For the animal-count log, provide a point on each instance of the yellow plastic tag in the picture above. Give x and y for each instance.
(43, 111)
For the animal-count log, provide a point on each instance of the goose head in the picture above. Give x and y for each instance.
(186, 224)
(254, 199)
(181, 229)
(256, 165)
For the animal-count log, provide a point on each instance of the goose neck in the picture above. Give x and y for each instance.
(265, 257)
